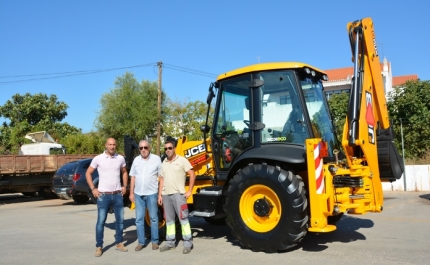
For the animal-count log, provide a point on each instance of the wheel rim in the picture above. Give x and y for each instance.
(161, 220)
(260, 208)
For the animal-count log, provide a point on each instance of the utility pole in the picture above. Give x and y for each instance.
(160, 73)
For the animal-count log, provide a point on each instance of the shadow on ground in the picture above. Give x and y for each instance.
(347, 231)
(18, 198)
(425, 196)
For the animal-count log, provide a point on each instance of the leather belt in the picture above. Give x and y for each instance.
(111, 192)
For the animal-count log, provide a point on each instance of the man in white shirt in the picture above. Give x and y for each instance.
(144, 173)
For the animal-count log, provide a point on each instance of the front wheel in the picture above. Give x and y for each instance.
(266, 208)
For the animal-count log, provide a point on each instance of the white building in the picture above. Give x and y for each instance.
(340, 79)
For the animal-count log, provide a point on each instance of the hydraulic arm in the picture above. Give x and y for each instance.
(367, 133)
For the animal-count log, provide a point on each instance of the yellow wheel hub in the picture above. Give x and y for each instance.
(161, 222)
(260, 208)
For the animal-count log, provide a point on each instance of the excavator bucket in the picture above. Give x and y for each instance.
(391, 165)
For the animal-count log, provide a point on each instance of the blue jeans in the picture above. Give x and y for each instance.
(142, 203)
(103, 203)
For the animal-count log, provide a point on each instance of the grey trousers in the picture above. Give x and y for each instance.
(176, 204)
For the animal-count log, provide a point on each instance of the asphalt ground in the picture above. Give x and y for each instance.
(38, 231)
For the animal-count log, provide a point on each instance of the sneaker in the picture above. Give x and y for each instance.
(139, 247)
(121, 247)
(154, 246)
(165, 248)
(186, 250)
(99, 252)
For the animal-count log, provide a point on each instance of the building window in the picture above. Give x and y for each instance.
(284, 100)
(309, 96)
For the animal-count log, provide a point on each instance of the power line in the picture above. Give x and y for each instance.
(82, 71)
(87, 72)
(188, 70)
(66, 74)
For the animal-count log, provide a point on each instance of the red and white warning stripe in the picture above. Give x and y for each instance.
(319, 177)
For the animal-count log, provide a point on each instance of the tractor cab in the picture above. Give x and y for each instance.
(267, 111)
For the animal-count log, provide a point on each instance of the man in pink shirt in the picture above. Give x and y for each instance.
(111, 166)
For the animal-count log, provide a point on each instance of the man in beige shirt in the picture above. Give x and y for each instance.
(173, 197)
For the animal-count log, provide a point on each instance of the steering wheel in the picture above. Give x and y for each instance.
(248, 123)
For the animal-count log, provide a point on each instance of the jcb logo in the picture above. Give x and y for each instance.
(375, 47)
(194, 150)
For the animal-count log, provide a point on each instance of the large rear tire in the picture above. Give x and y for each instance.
(266, 208)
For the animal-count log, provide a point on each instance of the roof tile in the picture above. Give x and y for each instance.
(341, 74)
(400, 80)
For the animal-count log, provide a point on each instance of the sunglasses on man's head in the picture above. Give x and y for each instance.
(141, 147)
(168, 148)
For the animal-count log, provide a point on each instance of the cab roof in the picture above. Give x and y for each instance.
(40, 137)
(266, 67)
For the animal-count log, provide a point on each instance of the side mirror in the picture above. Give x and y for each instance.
(211, 95)
(204, 128)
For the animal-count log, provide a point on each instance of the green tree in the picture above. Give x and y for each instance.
(88, 143)
(129, 108)
(34, 109)
(30, 113)
(185, 118)
(338, 104)
(411, 103)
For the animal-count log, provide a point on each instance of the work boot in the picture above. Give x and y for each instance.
(99, 252)
(154, 246)
(139, 247)
(186, 250)
(121, 247)
(165, 248)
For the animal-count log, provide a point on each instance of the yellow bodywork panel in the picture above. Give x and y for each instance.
(319, 189)
(202, 162)
(325, 199)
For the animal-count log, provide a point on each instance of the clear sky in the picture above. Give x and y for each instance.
(189, 37)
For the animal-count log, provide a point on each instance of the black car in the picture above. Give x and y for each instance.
(69, 181)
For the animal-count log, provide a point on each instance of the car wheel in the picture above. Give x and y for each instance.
(80, 199)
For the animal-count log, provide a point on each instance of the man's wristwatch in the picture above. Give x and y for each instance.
(93, 188)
